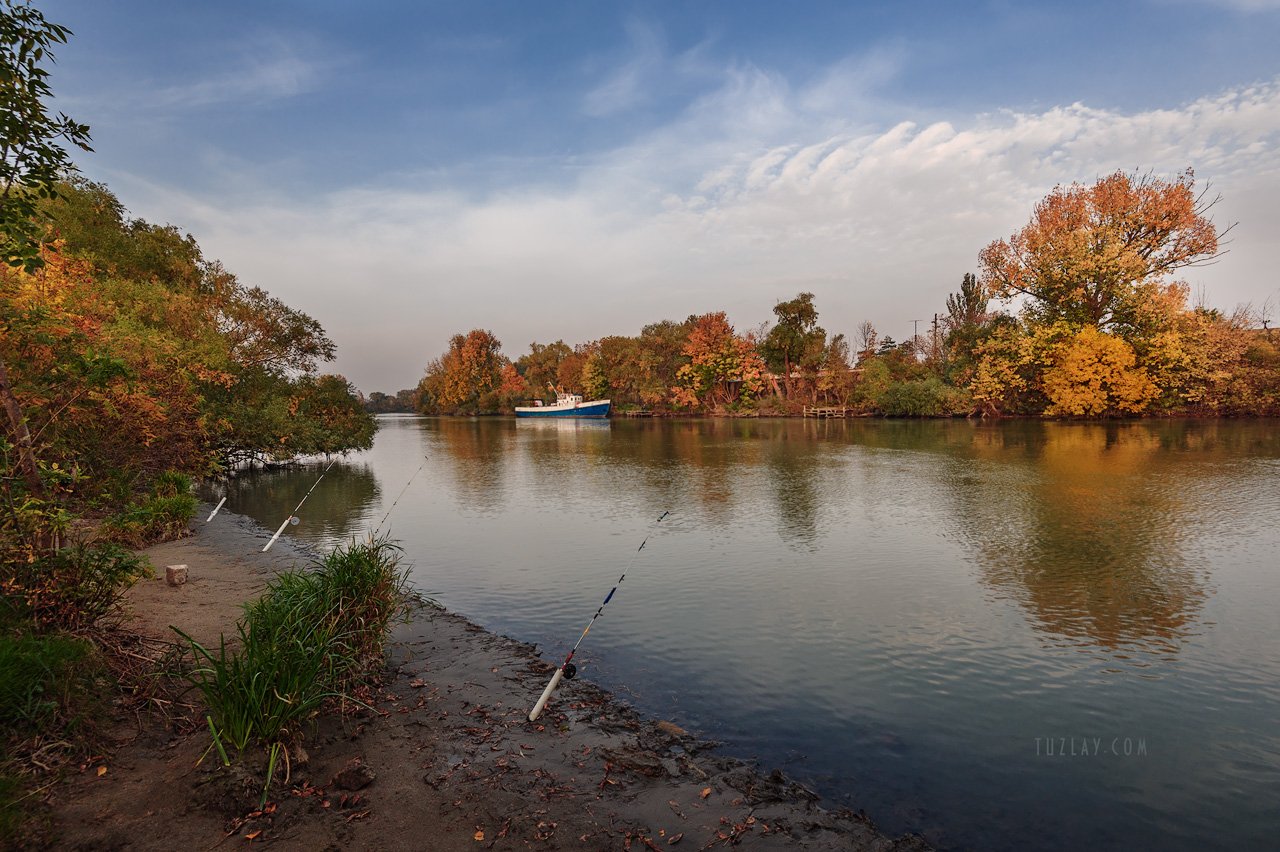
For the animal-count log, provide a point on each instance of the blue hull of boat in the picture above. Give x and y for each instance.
(598, 410)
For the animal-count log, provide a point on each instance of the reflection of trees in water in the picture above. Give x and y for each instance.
(336, 509)
(1082, 524)
(477, 448)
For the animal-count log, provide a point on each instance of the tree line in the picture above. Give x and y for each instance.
(1078, 314)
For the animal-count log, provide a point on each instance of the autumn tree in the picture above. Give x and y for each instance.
(835, 380)
(468, 371)
(1092, 254)
(723, 368)
(540, 366)
(1095, 374)
(1105, 328)
(32, 159)
(333, 418)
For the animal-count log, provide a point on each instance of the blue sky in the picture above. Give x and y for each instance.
(403, 171)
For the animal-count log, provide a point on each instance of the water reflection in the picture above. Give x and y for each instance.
(337, 509)
(476, 450)
(1084, 526)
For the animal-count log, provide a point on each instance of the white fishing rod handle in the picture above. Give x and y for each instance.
(215, 510)
(546, 695)
(267, 546)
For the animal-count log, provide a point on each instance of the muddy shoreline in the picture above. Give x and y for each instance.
(446, 760)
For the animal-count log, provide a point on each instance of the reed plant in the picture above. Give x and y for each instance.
(314, 635)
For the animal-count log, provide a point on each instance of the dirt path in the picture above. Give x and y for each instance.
(448, 761)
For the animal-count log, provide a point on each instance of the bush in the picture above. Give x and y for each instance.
(46, 682)
(76, 587)
(162, 516)
(922, 398)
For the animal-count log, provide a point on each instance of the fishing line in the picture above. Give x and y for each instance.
(293, 516)
(397, 500)
(567, 668)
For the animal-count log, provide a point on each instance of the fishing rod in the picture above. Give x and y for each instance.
(215, 510)
(567, 668)
(293, 516)
(397, 500)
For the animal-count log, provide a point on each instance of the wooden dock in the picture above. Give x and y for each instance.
(825, 411)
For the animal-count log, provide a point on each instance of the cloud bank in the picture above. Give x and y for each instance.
(754, 192)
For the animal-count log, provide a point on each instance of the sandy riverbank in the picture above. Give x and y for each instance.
(454, 760)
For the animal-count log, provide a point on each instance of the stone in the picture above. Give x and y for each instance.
(175, 575)
(354, 776)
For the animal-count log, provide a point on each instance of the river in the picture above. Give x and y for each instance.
(1022, 635)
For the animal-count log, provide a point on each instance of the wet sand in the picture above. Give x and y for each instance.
(448, 760)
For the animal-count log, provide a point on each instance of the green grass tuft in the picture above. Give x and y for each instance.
(312, 636)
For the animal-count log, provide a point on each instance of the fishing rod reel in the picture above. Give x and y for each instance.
(570, 670)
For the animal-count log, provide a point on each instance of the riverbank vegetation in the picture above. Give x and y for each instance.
(1078, 314)
(129, 363)
(314, 637)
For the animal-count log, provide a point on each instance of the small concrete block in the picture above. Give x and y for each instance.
(175, 575)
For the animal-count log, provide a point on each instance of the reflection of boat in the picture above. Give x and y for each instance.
(566, 405)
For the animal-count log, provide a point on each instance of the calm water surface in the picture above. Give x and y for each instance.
(1017, 636)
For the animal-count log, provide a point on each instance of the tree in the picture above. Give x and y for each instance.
(796, 340)
(835, 381)
(32, 158)
(722, 368)
(1094, 374)
(31, 162)
(333, 418)
(868, 339)
(470, 369)
(1092, 254)
(540, 366)
(966, 323)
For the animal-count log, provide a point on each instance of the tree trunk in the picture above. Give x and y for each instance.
(26, 452)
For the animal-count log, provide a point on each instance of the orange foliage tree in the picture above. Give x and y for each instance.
(723, 367)
(1104, 329)
(468, 371)
(1092, 254)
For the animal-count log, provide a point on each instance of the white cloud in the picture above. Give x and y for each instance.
(752, 195)
(628, 85)
(254, 81)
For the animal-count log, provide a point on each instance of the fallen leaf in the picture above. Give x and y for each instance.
(479, 836)
(675, 838)
(706, 791)
(102, 770)
(253, 835)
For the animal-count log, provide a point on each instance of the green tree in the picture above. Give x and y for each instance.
(333, 420)
(32, 156)
(540, 367)
(967, 323)
(796, 342)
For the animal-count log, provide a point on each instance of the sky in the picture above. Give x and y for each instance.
(405, 171)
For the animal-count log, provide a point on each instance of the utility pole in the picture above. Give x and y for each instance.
(915, 337)
(936, 353)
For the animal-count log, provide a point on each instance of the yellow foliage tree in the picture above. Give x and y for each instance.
(1095, 374)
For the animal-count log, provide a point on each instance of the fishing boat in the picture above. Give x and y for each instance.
(566, 405)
